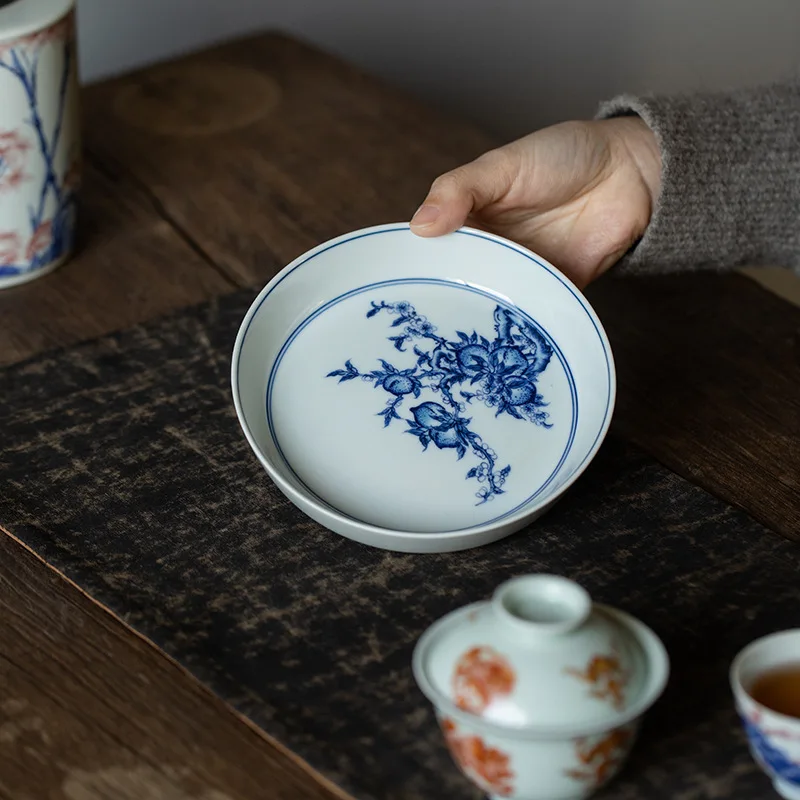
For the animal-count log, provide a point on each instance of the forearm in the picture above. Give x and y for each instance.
(730, 184)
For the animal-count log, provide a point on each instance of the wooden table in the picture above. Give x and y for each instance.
(207, 175)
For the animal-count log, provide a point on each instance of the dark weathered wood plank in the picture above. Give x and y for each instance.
(132, 265)
(709, 383)
(90, 711)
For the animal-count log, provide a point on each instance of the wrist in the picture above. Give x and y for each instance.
(633, 141)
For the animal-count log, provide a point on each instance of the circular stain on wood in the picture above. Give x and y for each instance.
(197, 100)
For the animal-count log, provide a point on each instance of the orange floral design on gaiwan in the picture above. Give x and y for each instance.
(599, 759)
(487, 766)
(607, 677)
(480, 675)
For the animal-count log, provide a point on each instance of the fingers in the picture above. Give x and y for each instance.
(456, 195)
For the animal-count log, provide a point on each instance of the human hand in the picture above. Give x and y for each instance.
(578, 193)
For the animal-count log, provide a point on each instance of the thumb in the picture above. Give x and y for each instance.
(464, 191)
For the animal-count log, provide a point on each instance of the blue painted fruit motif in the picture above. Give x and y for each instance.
(500, 373)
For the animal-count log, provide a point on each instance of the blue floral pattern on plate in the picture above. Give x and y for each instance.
(500, 373)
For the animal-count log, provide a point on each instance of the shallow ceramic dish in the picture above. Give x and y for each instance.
(422, 395)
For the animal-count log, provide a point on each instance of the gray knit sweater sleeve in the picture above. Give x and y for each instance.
(730, 192)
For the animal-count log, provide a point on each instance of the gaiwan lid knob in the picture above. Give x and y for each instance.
(539, 656)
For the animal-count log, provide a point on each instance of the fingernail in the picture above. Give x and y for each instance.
(426, 215)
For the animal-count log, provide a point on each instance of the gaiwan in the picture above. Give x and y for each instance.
(422, 395)
(538, 691)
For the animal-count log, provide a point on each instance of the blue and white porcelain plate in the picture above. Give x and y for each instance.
(422, 394)
(447, 407)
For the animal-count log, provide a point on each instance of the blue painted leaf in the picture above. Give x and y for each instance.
(505, 471)
(485, 342)
(423, 357)
(387, 366)
(473, 438)
(463, 336)
(388, 415)
(473, 472)
(335, 373)
(373, 311)
(399, 341)
(399, 321)
(421, 433)
(510, 410)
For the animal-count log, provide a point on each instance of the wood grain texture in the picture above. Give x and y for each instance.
(131, 265)
(90, 711)
(709, 383)
(335, 151)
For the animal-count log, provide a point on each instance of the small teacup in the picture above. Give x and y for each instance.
(774, 737)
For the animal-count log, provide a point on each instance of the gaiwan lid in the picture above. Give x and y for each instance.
(541, 657)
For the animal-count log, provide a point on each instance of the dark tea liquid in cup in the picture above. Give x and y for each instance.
(779, 690)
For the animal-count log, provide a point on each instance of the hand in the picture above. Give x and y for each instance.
(579, 194)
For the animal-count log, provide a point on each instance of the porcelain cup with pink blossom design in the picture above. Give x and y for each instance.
(773, 737)
(39, 137)
(539, 692)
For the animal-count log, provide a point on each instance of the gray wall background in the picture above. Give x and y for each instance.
(510, 65)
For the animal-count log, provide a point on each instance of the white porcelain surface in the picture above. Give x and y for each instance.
(493, 373)
(774, 738)
(39, 137)
(539, 692)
